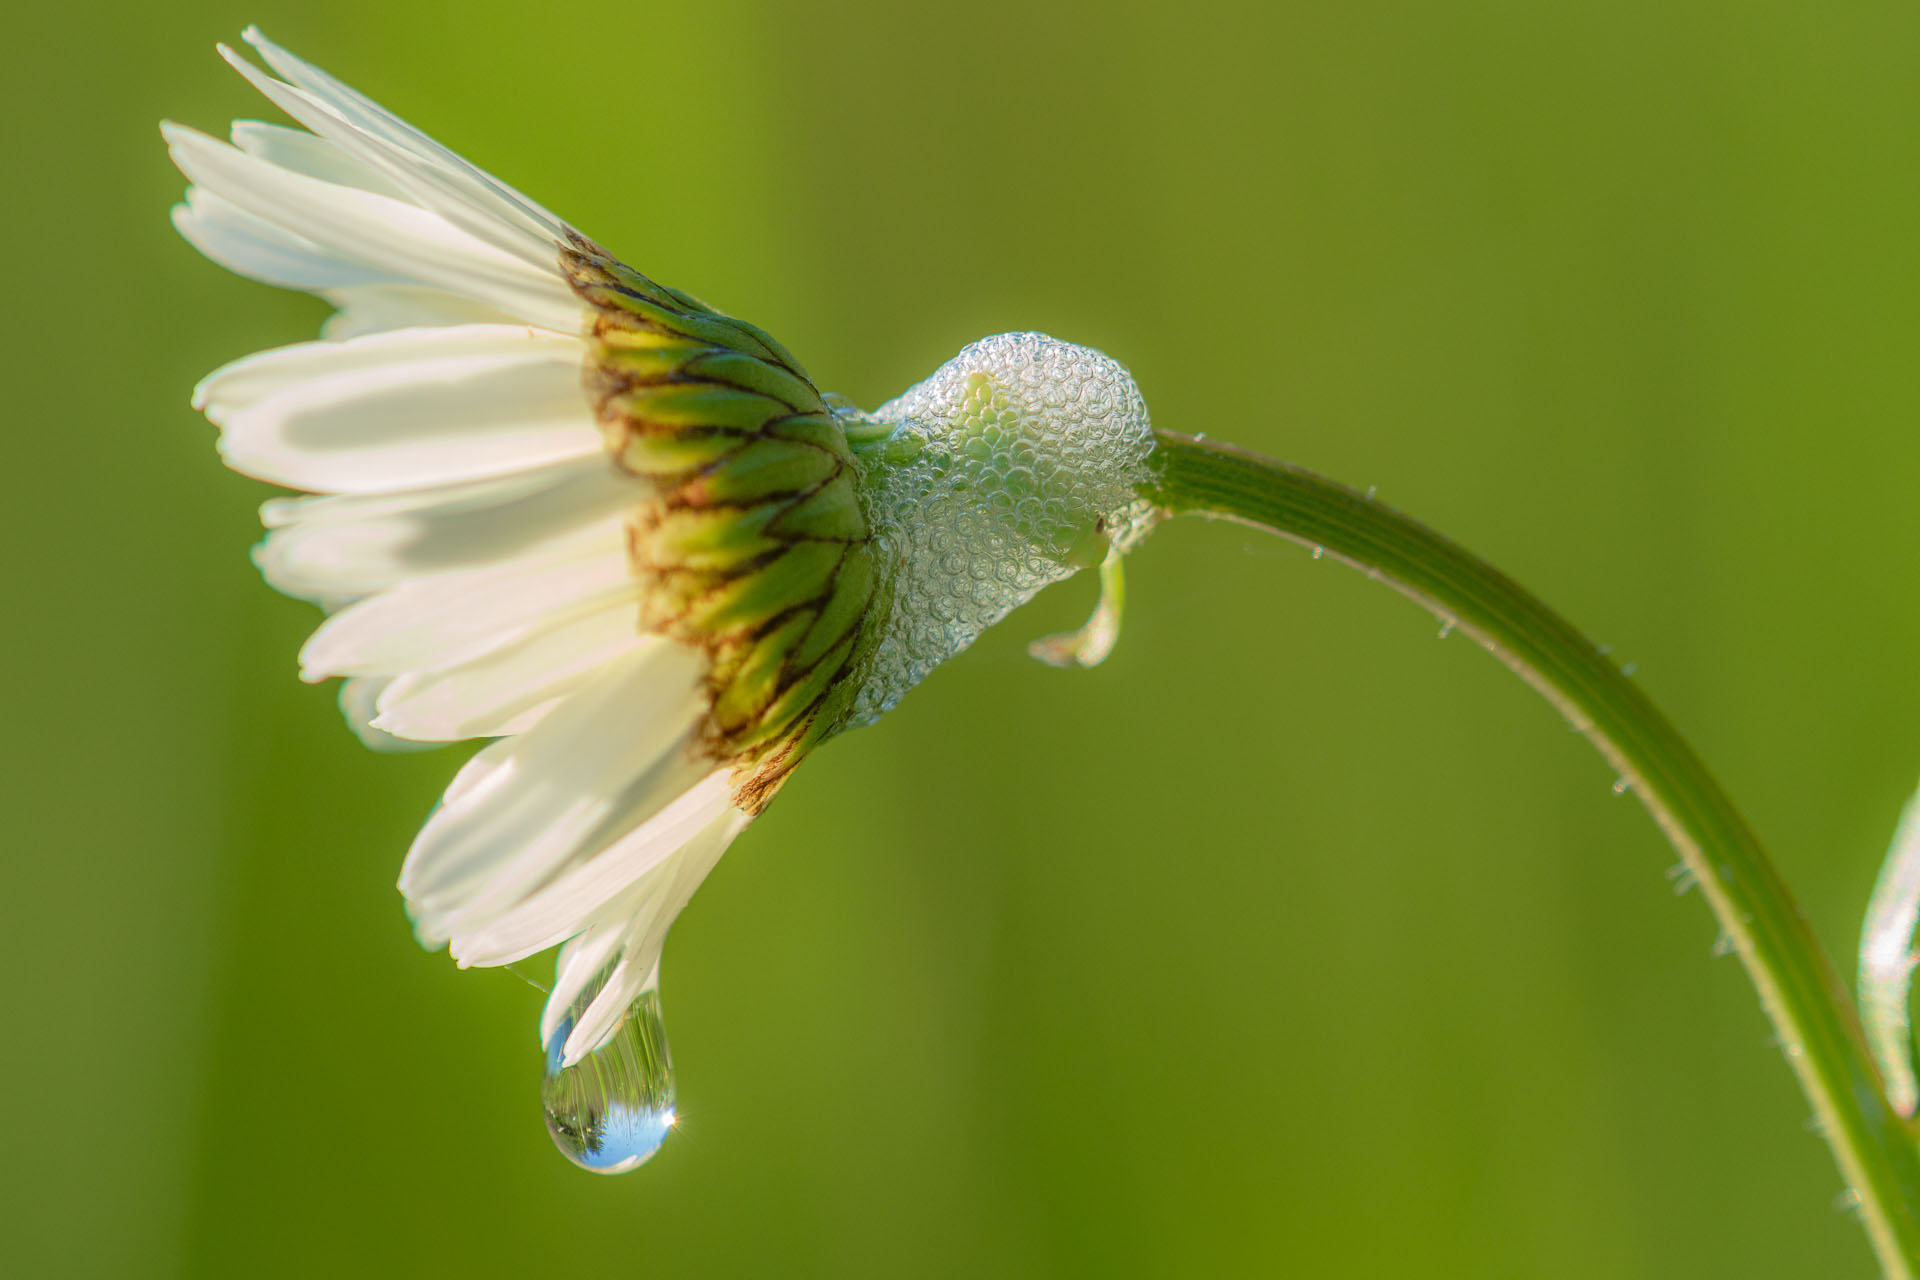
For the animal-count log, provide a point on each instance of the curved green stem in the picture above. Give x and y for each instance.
(1810, 1009)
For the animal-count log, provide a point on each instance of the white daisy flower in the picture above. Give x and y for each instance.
(561, 506)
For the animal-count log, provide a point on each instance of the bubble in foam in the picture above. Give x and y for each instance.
(1015, 465)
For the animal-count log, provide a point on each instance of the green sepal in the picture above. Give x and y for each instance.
(800, 695)
(657, 361)
(840, 615)
(741, 370)
(764, 469)
(796, 576)
(820, 430)
(747, 690)
(702, 538)
(720, 331)
(811, 686)
(661, 453)
(699, 404)
(830, 513)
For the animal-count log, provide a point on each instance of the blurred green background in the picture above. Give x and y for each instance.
(1292, 941)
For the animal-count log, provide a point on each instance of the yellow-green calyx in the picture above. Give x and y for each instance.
(753, 540)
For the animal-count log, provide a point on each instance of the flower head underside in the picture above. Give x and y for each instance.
(555, 504)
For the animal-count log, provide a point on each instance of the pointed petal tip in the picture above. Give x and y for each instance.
(255, 75)
(278, 57)
(416, 730)
(257, 40)
(203, 388)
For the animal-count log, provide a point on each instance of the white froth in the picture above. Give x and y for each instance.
(1015, 465)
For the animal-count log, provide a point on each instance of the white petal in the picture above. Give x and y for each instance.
(375, 231)
(433, 418)
(547, 826)
(302, 152)
(673, 885)
(448, 189)
(463, 527)
(563, 907)
(584, 957)
(656, 809)
(259, 250)
(377, 122)
(347, 508)
(358, 703)
(615, 749)
(475, 775)
(602, 1016)
(377, 308)
(245, 382)
(454, 617)
(495, 693)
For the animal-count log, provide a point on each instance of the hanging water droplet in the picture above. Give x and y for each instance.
(1621, 786)
(1318, 552)
(610, 1111)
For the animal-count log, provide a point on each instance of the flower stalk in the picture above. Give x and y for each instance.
(1812, 1014)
